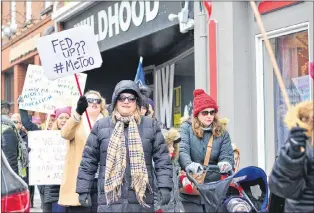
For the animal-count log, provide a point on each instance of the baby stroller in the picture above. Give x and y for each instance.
(235, 193)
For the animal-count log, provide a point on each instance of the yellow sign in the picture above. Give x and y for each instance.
(177, 107)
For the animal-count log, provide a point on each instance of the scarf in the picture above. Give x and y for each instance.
(116, 161)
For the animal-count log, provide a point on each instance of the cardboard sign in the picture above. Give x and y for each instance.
(47, 157)
(43, 95)
(69, 52)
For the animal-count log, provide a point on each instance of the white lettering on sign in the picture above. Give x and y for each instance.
(119, 17)
(165, 92)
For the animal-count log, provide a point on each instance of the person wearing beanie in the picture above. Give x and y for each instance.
(202, 130)
(51, 192)
(125, 144)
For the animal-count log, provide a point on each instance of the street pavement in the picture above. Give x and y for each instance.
(37, 202)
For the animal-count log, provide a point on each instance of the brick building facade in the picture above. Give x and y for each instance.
(22, 24)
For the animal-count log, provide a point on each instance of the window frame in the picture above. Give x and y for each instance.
(266, 156)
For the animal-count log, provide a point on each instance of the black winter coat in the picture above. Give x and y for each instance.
(9, 142)
(293, 179)
(95, 152)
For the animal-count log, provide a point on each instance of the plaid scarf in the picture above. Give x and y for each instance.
(116, 161)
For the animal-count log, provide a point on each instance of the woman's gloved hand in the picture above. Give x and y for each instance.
(195, 168)
(297, 140)
(85, 200)
(81, 105)
(165, 195)
(224, 167)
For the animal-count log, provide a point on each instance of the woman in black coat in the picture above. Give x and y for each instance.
(125, 144)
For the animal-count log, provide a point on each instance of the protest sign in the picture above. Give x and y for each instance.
(35, 91)
(42, 95)
(302, 85)
(47, 157)
(69, 52)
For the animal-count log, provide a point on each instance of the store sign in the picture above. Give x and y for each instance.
(119, 22)
(24, 48)
(119, 17)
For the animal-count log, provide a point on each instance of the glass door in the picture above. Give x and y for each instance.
(291, 49)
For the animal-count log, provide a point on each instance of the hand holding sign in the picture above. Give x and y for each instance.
(69, 52)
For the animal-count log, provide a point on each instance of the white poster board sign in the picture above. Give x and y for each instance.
(47, 157)
(69, 52)
(302, 84)
(43, 95)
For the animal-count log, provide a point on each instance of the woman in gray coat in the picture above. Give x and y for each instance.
(195, 135)
(125, 144)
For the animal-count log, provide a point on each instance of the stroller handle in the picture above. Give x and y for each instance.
(209, 168)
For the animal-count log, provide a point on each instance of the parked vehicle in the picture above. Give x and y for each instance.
(14, 191)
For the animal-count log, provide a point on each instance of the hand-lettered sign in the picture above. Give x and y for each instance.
(47, 157)
(42, 95)
(69, 52)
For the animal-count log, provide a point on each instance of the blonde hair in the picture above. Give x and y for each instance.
(16, 115)
(103, 109)
(137, 115)
(197, 127)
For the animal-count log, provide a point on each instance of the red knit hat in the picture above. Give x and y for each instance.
(202, 101)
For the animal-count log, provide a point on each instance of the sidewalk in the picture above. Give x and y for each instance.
(37, 202)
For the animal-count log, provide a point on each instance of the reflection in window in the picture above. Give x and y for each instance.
(184, 85)
(292, 55)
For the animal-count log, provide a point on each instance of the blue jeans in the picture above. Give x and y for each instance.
(56, 208)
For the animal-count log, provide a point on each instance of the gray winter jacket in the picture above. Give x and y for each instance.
(293, 179)
(95, 151)
(193, 149)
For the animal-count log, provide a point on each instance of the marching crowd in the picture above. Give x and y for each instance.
(130, 162)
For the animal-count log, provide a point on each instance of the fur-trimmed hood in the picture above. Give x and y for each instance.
(301, 114)
(170, 136)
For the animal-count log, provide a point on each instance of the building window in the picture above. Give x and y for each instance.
(8, 86)
(13, 12)
(28, 10)
(292, 55)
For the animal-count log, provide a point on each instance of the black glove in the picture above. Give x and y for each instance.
(165, 195)
(297, 139)
(81, 105)
(85, 200)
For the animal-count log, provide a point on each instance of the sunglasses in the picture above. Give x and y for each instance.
(205, 113)
(130, 98)
(177, 140)
(16, 122)
(93, 100)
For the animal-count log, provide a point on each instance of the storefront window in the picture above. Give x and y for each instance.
(292, 55)
(183, 88)
(9, 87)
